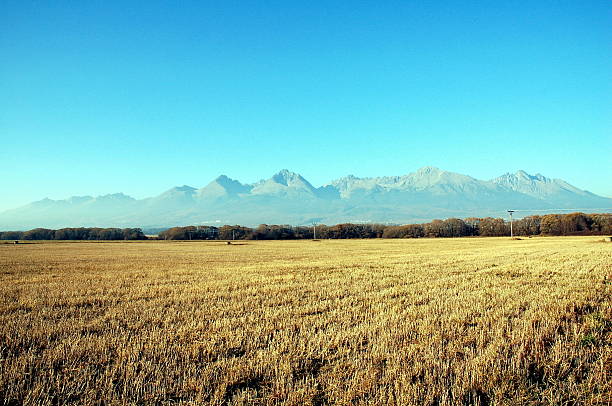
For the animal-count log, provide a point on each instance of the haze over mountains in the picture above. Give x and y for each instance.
(288, 198)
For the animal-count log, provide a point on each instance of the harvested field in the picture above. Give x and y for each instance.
(407, 322)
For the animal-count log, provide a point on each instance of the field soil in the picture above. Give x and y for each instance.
(482, 321)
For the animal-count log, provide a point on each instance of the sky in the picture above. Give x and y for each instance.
(100, 97)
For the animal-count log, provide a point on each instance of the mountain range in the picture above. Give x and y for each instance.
(288, 198)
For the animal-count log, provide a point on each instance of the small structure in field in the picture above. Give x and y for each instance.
(16, 242)
(608, 239)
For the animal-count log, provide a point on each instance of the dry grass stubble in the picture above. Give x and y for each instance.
(439, 322)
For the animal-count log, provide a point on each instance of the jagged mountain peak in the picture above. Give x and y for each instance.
(536, 185)
(286, 177)
(223, 179)
(110, 196)
(522, 175)
(228, 183)
(282, 183)
(346, 179)
(424, 178)
(429, 170)
(430, 176)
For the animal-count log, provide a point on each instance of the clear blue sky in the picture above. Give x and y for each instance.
(115, 96)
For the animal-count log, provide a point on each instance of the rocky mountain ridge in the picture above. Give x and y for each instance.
(287, 197)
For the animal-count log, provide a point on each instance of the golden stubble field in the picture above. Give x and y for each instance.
(407, 322)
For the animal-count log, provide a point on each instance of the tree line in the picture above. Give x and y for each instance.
(549, 224)
(81, 233)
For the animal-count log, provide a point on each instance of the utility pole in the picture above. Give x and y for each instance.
(314, 231)
(233, 234)
(511, 233)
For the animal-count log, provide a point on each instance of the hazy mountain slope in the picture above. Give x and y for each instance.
(74, 211)
(287, 197)
(175, 197)
(223, 187)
